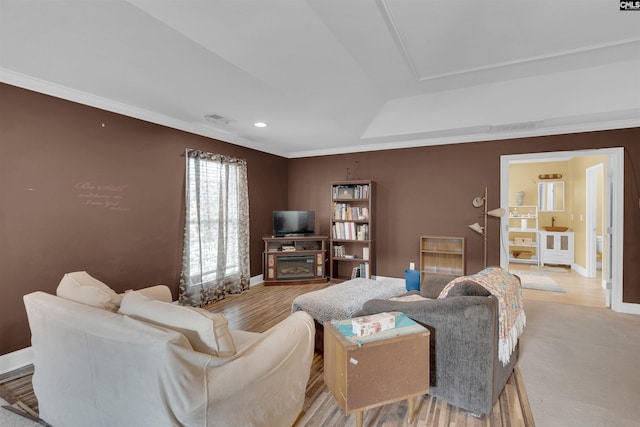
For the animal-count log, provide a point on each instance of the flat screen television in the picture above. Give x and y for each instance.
(294, 223)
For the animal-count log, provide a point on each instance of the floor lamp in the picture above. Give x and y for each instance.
(482, 229)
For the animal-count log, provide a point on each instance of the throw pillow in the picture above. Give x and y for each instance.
(207, 332)
(79, 286)
(158, 292)
(468, 288)
(433, 284)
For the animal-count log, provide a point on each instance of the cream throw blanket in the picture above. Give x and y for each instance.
(511, 318)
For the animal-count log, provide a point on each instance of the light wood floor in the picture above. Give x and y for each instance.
(264, 306)
(580, 290)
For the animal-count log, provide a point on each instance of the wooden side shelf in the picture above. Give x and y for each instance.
(294, 260)
(442, 255)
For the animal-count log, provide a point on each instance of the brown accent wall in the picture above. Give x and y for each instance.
(428, 190)
(52, 152)
(86, 189)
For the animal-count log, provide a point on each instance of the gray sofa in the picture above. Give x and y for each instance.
(465, 370)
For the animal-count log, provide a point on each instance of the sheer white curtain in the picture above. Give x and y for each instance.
(216, 231)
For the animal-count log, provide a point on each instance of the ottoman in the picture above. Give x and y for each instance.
(341, 301)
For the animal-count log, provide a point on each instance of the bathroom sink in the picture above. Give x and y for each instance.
(556, 228)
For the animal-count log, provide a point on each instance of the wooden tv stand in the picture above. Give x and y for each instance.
(294, 260)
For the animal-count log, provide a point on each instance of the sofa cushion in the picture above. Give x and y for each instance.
(80, 287)
(409, 298)
(157, 292)
(207, 332)
(433, 284)
(468, 288)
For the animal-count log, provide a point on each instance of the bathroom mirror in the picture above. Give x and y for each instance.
(551, 196)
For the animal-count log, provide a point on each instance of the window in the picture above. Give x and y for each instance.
(216, 227)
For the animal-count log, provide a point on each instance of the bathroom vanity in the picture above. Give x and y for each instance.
(556, 247)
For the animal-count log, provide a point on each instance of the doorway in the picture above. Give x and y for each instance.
(612, 237)
(594, 219)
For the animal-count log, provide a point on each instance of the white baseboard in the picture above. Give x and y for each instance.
(24, 357)
(630, 308)
(255, 280)
(626, 307)
(15, 360)
(580, 270)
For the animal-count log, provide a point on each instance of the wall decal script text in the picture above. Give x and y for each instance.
(106, 196)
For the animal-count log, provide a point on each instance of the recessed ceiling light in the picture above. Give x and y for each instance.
(260, 124)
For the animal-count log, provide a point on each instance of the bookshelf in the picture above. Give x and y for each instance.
(351, 248)
(442, 255)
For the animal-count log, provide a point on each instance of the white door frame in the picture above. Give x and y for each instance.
(591, 198)
(615, 168)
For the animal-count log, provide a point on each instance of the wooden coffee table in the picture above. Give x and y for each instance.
(367, 372)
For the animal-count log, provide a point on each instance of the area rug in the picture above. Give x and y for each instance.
(12, 416)
(537, 280)
(549, 268)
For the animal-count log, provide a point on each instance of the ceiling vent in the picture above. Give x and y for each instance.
(516, 127)
(218, 119)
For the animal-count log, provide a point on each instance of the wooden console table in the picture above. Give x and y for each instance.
(294, 260)
(366, 374)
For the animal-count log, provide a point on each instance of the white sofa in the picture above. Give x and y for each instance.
(95, 367)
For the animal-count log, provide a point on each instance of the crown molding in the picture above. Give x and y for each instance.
(479, 136)
(453, 136)
(63, 92)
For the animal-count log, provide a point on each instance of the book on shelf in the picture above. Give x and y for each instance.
(346, 212)
(350, 231)
(343, 192)
(361, 270)
(364, 270)
(339, 252)
(365, 253)
(360, 191)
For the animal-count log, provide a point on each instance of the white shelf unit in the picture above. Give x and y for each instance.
(523, 235)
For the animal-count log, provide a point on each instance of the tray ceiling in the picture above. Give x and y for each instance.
(331, 76)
